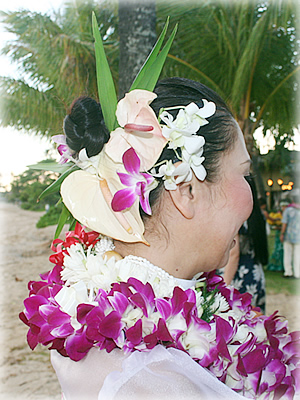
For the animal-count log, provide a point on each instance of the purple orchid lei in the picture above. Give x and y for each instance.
(89, 300)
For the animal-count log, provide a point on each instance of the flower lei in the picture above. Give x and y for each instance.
(90, 299)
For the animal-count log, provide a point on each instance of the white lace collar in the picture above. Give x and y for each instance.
(157, 272)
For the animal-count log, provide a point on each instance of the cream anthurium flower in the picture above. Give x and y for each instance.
(140, 129)
(91, 205)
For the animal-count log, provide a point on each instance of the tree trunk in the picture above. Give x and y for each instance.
(137, 21)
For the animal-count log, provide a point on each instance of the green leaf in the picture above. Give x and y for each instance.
(72, 224)
(151, 58)
(64, 216)
(106, 87)
(152, 76)
(55, 186)
(149, 74)
(50, 166)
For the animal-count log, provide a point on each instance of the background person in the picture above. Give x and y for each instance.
(276, 258)
(290, 236)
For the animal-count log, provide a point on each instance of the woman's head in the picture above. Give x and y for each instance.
(224, 150)
(85, 128)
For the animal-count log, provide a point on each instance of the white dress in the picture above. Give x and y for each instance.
(156, 374)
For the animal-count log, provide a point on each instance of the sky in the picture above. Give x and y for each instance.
(19, 149)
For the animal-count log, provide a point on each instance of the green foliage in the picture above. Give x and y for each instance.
(51, 217)
(26, 188)
(281, 160)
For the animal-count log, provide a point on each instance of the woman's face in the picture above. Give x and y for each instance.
(223, 207)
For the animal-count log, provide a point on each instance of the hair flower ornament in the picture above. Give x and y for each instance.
(65, 152)
(141, 129)
(106, 192)
(138, 184)
(172, 175)
(181, 134)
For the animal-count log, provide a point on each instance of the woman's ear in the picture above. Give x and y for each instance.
(183, 198)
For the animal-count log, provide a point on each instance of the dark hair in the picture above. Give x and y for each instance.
(257, 228)
(84, 126)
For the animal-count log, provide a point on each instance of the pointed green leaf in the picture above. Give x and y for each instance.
(152, 76)
(106, 87)
(55, 186)
(50, 166)
(72, 224)
(153, 69)
(151, 58)
(64, 215)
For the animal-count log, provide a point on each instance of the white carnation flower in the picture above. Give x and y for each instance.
(91, 269)
(74, 264)
(220, 304)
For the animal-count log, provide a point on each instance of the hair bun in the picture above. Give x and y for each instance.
(84, 126)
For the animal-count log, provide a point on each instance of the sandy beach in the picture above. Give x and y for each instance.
(27, 374)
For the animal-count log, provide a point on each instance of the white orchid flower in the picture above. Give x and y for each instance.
(195, 162)
(172, 175)
(208, 109)
(89, 164)
(188, 120)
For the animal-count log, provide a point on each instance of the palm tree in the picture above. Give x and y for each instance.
(247, 52)
(56, 59)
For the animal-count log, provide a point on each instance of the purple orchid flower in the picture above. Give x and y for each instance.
(62, 148)
(139, 184)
